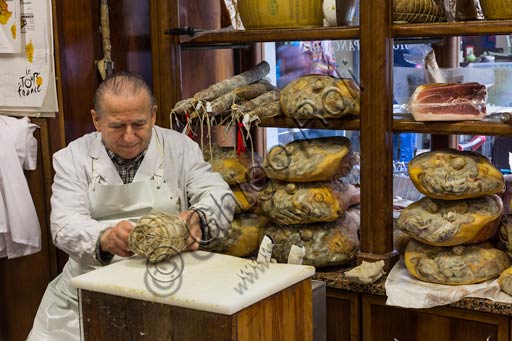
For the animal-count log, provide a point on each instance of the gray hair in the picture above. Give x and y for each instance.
(121, 83)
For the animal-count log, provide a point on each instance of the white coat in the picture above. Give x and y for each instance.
(20, 232)
(189, 181)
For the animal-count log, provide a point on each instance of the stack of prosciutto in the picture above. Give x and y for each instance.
(449, 102)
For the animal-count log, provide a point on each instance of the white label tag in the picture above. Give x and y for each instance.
(246, 121)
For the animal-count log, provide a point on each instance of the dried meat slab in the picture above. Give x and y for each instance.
(449, 102)
(451, 222)
(452, 174)
(320, 159)
(455, 265)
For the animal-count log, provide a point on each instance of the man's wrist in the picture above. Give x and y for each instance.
(205, 229)
(104, 257)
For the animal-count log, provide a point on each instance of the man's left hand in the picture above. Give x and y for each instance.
(194, 230)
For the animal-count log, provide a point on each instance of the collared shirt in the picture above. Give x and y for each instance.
(126, 168)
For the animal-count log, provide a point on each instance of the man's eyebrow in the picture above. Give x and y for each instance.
(115, 123)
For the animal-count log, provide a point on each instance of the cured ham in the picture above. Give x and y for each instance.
(449, 102)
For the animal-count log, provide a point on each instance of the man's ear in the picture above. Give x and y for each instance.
(96, 119)
(153, 114)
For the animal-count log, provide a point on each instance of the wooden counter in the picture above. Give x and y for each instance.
(359, 312)
(206, 301)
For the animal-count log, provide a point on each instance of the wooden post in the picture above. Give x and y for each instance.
(376, 132)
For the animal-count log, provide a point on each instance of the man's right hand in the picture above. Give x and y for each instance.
(115, 239)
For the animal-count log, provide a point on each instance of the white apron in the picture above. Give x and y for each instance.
(58, 317)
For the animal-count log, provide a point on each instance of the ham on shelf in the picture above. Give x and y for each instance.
(449, 102)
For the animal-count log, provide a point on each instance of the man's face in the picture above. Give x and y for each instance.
(126, 123)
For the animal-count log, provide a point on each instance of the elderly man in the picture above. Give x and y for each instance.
(107, 179)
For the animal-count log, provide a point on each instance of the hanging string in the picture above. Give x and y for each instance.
(174, 114)
(188, 130)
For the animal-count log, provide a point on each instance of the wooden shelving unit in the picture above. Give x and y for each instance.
(376, 121)
(376, 124)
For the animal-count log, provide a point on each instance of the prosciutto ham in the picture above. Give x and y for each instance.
(449, 102)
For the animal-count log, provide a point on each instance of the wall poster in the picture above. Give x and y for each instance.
(28, 76)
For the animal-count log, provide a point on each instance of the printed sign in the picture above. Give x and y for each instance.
(28, 77)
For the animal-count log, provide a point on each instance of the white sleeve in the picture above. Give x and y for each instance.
(208, 192)
(73, 229)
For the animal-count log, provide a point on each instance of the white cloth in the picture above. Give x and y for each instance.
(20, 232)
(403, 290)
(88, 196)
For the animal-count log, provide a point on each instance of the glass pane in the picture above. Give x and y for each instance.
(293, 59)
(491, 55)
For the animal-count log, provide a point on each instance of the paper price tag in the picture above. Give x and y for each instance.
(246, 121)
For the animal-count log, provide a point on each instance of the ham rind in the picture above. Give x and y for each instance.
(449, 102)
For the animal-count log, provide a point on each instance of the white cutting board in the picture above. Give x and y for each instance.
(197, 280)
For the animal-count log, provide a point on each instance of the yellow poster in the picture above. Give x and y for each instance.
(28, 77)
(10, 35)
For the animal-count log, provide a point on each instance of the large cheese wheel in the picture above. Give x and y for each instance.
(326, 244)
(455, 265)
(303, 203)
(319, 159)
(505, 233)
(452, 222)
(452, 174)
(246, 197)
(505, 281)
(234, 168)
(319, 96)
(243, 236)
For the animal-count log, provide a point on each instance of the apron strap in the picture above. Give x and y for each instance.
(159, 173)
(95, 175)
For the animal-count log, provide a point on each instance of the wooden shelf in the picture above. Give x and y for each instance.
(251, 36)
(486, 127)
(345, 123)
(460, 28)
(403, 124)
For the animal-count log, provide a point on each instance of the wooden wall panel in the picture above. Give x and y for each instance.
(178, 72)
(80, 46)
(342, 315)
(203, 67)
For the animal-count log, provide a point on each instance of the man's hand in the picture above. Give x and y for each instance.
(115, 239)
(194, 230)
